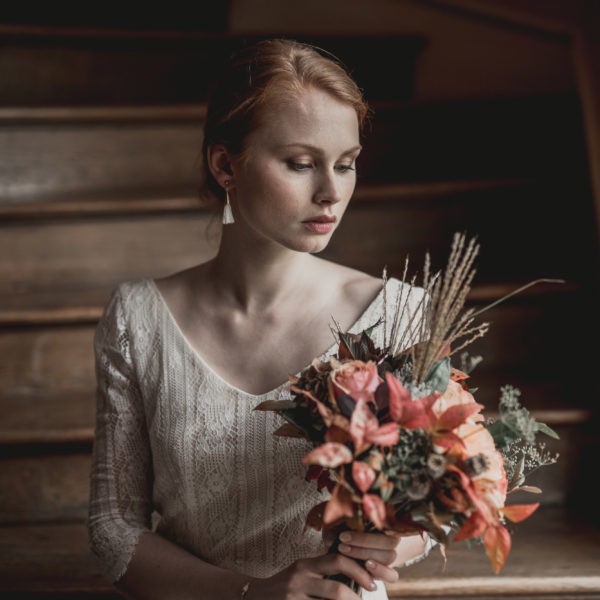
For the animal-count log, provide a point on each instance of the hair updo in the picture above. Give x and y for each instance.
(259, 75)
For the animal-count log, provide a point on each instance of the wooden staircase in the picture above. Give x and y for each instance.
(98, 185)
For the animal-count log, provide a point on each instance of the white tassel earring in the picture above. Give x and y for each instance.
(227, 214)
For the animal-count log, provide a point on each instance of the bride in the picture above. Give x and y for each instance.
(182, 361)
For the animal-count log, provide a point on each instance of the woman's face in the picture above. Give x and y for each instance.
(300, 165)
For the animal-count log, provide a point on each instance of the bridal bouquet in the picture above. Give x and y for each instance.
(398, 438)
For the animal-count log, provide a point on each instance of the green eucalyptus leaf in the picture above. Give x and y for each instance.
(547, 430)
(439, 375)
(502, 434)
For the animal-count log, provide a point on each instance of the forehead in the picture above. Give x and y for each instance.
(313, 117)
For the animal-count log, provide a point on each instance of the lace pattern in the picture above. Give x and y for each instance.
(173, 437)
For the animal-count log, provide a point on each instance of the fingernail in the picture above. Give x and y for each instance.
(345, 536)
(345, 548)
(370, 564)
(372, 585)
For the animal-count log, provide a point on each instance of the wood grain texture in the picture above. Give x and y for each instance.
(66, 255)
(78, 161)
(549, 549)
(50, 488)
(46, 362)
(48, 558)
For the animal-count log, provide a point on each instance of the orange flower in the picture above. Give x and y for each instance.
(455, 395)
(491, 483)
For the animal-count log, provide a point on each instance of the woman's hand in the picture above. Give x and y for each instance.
(381, 551)
(304, 579)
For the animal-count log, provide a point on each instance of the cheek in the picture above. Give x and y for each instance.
(274, 193)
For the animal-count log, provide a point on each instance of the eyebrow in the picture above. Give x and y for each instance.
(318, 150)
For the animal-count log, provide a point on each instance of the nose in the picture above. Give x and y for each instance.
(328, 190)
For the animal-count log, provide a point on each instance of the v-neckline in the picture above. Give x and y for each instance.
(198, 357)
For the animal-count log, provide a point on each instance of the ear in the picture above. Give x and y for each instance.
(219, 162)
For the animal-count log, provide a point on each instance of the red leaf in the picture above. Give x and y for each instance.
(330, 455)
(313, 472)
(314, 519)
(335, 433)
(338, 506)
(458, 503)
(409, 413)
(362, 422)
(325, 481)
(497, 545)
(519, 512)
(399, 396)
(456, 415)
(374, 508)
(386, 435)
(473, 527)
(363, 475)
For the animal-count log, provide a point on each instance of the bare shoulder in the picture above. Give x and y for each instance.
(176, 287)
(356, 287)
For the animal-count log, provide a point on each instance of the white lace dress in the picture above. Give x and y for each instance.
(173, 437)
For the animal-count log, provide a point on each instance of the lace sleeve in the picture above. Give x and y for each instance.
(120, 505)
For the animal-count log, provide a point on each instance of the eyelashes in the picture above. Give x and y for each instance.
(298, 166)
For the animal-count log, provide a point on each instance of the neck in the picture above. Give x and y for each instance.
(254, 276)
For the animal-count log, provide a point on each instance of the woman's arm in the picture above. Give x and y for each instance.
(162, 570)
(121, 478)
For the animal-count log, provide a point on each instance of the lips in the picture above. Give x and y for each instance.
(321, 219)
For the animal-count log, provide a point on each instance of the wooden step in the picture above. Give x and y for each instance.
(553, 556)
(170, 66)
(51, 561)
(44, 488)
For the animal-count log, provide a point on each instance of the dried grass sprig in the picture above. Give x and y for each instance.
(440, 321)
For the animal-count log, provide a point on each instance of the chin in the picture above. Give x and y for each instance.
(310, 246)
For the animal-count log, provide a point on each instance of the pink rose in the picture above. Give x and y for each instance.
(357, 379)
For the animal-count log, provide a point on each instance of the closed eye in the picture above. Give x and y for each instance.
(297, 166)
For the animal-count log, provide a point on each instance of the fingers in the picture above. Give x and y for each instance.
(385, 557)
(375, 546)
(333, 564)
(382, 572)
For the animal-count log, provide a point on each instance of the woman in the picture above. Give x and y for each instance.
(182, 361)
